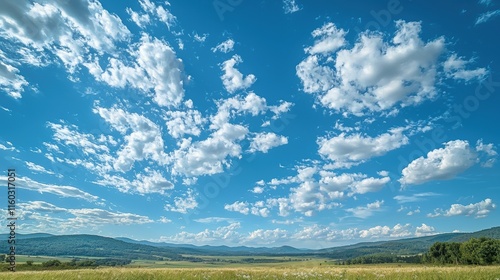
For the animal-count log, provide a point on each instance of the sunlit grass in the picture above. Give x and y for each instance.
(257, 272)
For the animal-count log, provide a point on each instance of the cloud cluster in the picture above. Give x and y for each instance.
(443, 163)
(375, 75)
(478, 210)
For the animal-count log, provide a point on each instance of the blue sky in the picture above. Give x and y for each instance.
(259, 123)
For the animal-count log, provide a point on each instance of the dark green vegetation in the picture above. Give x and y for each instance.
(75, 263)
(479, 251)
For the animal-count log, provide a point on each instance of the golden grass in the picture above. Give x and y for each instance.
(323, 272)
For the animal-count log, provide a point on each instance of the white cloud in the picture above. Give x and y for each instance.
(160, 12)
(424, 230)
(183, 204)
(232, 79)
(364, 212)
(330, 39)
(156, 68)
(200, 38)
(258, 208)
(68, 30)
(224, 47)
(11, 82)
(143, 139)
(489, 149)
(370, 185)
(440, 164)
(9, 147)
(351, 149)
(39, 215)
(181, 123)
(265, 237)
(149, 181)
(211, 220)
(69, 136)
(59, 190)
(241, 207)
(231, 107)
(211, 155)
(140, 19)
(485, 2)
(335, 184)
(398, 231)
(257, 190)
(479, 210)
(413, 212)
(290, 6)
(374, 76)
(164, 220)
(454, 67)
(487, 16)
(221, 235)
(38, 168)
(414, 197)
(314, 77)
(264, 141)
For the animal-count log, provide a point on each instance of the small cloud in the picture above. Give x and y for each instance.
(224, 47)
(479, 210)
(290, 6)
(487, 16)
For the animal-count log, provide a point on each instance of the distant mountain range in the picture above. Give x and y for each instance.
(99, 246)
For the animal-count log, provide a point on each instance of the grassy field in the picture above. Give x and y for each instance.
(265, 272)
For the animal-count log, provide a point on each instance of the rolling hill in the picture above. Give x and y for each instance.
(98, 246)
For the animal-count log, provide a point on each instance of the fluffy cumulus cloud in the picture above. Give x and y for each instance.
(258, 208)
(424, 230)
(441, 164)
(314, 190)
(186, 122)
(350, 149)
(328, 39)
(232, 79)
(375, 75)
(270, 236)
(153, 69)
(224, 47)
(143, 139)
(183, 204)
(265, 141)
(398, 231)
(211, 155)
(355, 183)
(478, 210)
(364, 212)
(70, 31)
(222, 235)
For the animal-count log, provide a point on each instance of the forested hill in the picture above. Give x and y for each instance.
(98, 246)
(90, 246)
(409, 246)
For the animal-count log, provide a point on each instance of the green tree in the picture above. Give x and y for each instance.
(488, 251)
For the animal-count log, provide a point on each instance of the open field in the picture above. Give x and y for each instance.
(260, 272)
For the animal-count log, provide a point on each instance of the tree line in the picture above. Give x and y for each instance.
(475, 251)
(478, 251)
